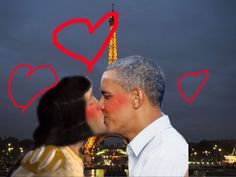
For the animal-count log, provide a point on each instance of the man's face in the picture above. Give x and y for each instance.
(116, 104)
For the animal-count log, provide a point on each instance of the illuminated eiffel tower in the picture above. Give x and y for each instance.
(112, 44)
(91, 142)
(96, 155)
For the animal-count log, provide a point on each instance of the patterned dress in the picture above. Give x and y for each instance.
(50, 161)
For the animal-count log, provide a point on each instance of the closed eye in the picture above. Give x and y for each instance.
(91, 103)
(106, 97)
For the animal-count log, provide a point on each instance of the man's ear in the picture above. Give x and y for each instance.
(137, 97)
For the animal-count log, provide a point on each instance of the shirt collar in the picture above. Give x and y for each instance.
(147, 134)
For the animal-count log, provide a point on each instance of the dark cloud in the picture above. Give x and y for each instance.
(182, 36)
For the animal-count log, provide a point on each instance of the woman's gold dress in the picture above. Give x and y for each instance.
(50, 161)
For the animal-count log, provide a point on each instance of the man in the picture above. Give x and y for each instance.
(132, 92)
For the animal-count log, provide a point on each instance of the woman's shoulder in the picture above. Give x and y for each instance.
(45, 159)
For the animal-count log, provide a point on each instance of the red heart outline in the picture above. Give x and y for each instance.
(91, 28)
(31, 70)
(195, 74)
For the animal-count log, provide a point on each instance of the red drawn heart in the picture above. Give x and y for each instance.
(31, 71)
(91, 30)
(195, 75)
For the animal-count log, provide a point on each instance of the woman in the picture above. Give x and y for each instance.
(67, 115)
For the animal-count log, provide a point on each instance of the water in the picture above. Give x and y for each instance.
(213, 172)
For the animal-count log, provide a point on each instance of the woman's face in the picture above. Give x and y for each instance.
(94, 114)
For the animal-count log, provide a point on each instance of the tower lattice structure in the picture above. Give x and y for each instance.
(112, 44)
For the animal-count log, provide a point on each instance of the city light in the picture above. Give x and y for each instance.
(10, 149)
(205, 156)
(21, 150)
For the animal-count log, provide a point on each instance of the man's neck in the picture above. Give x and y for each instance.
(142, 120)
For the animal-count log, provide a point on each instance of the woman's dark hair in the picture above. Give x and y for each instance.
(61, 113)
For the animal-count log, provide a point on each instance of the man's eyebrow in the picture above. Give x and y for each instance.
(104, 92)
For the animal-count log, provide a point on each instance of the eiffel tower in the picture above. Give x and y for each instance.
(112, 44)
(97, 157)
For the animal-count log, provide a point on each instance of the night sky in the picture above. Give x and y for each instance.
(181, 36)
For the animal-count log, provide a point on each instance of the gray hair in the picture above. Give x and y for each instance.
(137, 71)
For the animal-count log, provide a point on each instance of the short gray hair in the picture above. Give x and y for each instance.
(137, 71)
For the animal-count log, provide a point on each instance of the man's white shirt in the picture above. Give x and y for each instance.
(158, 150)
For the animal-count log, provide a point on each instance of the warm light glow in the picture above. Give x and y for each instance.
(89, 144)
(21, 150)
(10, 149)
(112, 45)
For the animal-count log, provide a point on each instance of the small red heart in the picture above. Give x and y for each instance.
(31, 71)
(195, 75)
(91, 30)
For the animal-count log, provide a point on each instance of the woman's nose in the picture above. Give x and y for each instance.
(101, 104)
(98, 104)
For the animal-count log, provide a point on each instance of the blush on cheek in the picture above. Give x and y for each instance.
(92, 112)
(117, 103)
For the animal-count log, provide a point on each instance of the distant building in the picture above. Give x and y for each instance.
(231, 159)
